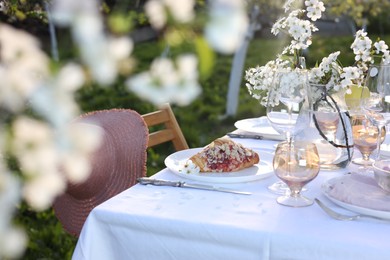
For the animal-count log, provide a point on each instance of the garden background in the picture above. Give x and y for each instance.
(202, 121)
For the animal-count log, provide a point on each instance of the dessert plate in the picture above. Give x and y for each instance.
(258, 171)
(259, 125)
(353, 192)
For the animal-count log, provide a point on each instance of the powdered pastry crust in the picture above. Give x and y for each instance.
(224, 155)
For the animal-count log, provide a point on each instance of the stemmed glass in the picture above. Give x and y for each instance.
(285, 101)
(377, 104)
(365, 136)
(296, 163)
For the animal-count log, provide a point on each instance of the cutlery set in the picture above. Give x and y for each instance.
(182, 184)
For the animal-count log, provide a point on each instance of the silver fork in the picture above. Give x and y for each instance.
(339, 216)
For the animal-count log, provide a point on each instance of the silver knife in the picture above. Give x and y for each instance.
(250, 136)
(182, 184)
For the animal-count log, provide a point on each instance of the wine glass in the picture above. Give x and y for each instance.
(284, 104)
(377, 103)
(296, 164)
(365, 136)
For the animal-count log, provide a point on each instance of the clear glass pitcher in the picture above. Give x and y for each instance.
(329, 128)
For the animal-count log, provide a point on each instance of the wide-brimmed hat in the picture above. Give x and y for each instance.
(116, 165)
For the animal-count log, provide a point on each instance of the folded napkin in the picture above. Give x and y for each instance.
(360, 190)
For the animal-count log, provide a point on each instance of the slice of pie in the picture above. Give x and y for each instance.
(224, 155)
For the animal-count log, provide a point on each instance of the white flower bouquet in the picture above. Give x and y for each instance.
(298, 24)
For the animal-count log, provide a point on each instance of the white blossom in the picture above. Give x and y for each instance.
(120, 48)
(88, 31)
(287, 5)
(187, 67)
(227, 26)
(260, 78)
(366, 52)
(278, 26)
(168, 81)
(23, 67)
(86, 138)
(328, 72)
(30, 134)
(296, 31)
(386, 57)
(41, 191)
(299, 29)
(349, 76)
(12, 239)
(290, 85)
(188, 167)
(314, 9)
(181, 11)
(156, 13)
(70, 77)
(380, 46)
(99, 52)
(76, 167)
(13, 243)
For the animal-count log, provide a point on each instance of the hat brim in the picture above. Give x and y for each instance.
(116, 165)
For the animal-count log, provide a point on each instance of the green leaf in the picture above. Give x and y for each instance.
(120, 23)
(206, 57)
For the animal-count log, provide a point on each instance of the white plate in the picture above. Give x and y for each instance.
(366, 211)
(259, 171)
(259, 125)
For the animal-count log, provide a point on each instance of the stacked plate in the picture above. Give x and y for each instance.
(259, 126)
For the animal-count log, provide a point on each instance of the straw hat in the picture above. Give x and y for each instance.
(116, 165)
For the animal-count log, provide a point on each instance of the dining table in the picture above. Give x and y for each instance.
(161, 222)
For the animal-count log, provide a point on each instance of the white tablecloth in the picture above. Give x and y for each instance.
(154, 222)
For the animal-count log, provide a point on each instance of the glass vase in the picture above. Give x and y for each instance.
(329, 128)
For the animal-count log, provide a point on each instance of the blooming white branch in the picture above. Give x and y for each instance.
(299, 29)
(367, 53)
(48, 151)
(168, 81)
(328, 72)
(41, 147)
(260, 79)
(100, 53)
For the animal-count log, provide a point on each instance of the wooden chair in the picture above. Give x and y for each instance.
(172, 132)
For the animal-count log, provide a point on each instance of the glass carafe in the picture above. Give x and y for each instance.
(329, 128)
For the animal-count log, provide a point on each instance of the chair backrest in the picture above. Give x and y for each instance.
(171, 132)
